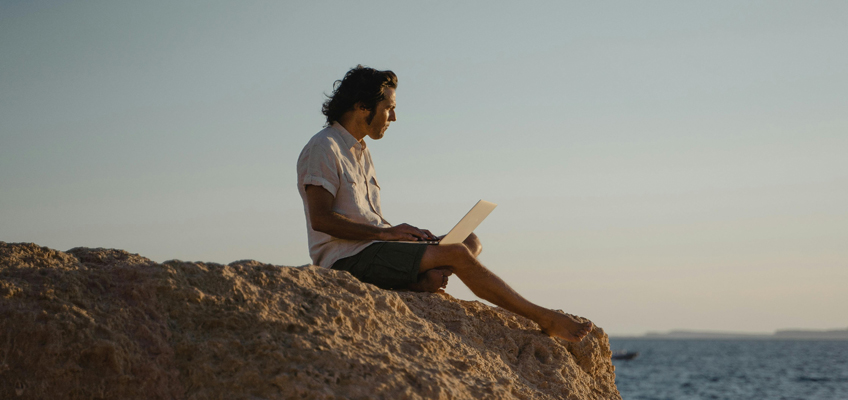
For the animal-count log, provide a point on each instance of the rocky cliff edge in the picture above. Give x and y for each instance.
(108, 324)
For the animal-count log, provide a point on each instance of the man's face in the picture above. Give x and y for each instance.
(384, 113)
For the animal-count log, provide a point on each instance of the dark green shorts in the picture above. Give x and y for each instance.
(385, 264)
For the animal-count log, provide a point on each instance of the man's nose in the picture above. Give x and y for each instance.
(392, 115)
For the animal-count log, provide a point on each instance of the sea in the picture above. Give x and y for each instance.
(683, 369)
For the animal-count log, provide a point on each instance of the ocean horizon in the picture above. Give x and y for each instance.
(780, 334)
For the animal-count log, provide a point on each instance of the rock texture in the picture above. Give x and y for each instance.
(107, 324)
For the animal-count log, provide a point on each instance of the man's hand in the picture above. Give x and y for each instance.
(406, 232)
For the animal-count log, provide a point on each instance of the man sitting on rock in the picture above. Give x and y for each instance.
(347, 231)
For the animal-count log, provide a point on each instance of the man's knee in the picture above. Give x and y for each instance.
(462, 259)
(453, 256)
(459, 252)
(472, 242)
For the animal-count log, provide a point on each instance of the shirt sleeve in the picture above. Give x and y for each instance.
(321, 169)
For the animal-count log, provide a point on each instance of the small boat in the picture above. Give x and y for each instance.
(624, 355)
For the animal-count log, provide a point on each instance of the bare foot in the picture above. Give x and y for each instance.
(432, 281)
(566, 326)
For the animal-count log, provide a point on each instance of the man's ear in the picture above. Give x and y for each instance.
(360, 106)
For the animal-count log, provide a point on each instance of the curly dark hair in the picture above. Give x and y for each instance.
(360, 84)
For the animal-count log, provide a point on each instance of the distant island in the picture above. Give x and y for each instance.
(786, 334)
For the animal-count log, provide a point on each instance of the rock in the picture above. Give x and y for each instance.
(107, 324)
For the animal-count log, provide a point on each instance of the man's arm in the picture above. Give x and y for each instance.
(320, 208)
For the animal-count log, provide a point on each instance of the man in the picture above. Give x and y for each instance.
(347, 231)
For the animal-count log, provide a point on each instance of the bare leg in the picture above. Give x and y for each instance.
(432, 281)
(436, 279)
(488, 286)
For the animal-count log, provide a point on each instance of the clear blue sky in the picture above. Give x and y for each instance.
(657, 165)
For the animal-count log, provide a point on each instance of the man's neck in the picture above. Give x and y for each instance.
(353, 128)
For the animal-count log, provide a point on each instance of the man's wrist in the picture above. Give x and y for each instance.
(382, 233)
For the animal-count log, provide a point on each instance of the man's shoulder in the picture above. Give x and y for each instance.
(324, 145)
(326, 138)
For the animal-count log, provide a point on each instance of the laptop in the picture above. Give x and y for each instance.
(464, 227)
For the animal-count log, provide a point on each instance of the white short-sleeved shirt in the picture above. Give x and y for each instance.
(336, 161)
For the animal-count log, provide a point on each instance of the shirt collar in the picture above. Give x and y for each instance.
(355, 146)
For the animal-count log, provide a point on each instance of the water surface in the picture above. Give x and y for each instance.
(732, 369)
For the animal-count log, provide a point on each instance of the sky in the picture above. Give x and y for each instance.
(657, 165)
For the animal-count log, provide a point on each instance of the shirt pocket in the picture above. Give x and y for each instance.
(374, 195)
(357, 192)
(350, 179)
